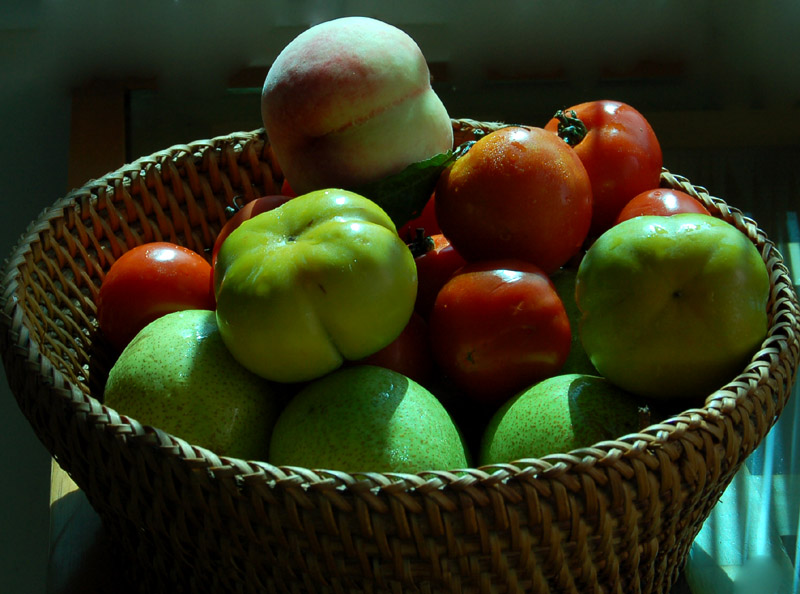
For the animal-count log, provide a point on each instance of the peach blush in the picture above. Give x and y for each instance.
(350, 101)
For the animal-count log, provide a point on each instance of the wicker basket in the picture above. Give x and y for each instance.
(616, 517)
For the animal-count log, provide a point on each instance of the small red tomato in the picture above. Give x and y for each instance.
(409, 354)
(147, 282)
(660, 202)
(435, 266)
(286, 189)
(497, 327)
(248, 211)
(425, 221)
(619, 149)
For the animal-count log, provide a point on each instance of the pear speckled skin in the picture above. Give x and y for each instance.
(177, 375)
(556, 415)
(367, 419)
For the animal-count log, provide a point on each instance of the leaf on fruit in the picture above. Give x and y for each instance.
(404, 195)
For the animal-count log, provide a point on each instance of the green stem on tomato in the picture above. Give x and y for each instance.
(421, 244)
(235, 207)
(463, 148)
(570, 127)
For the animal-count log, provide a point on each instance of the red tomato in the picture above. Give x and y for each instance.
(498, 327)
(287, 190)
(248, 211)
(660, 202)
(425, 221)
(409, 354)
(434, 268)
(520, 193)
(147, 282)
(619, 150)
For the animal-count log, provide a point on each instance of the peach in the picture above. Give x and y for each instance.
(348, 102)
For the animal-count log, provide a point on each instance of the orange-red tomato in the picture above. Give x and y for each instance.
(499, 326)
(248, 211)
(409, 354)
(619, 150)
(434, 268)
(520, 193)
(660, 202)
(147, 282)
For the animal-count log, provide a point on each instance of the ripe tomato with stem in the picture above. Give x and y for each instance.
(519, 192)
(437, 260)
(619, 149)
(426, 222)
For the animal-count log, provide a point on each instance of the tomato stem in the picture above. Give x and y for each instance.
(463, 148)
(421, 244)
(236, 206)
(570, 127)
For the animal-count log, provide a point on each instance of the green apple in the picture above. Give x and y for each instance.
(672, 307)
(556, 415)
(321, 279)
(367, 418)
(177, 375)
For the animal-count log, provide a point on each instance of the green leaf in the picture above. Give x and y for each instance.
(405, 194)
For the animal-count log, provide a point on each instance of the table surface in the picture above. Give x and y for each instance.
(79, 561)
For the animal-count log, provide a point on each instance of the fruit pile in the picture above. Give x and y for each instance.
(409, 305)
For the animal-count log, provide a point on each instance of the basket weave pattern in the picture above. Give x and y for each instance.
(619, 516)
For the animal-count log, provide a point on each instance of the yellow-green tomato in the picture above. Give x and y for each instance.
(318, 280)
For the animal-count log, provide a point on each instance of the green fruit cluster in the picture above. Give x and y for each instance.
(178, 375)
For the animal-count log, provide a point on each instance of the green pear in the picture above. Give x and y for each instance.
(177, 375)
(559, 414)
(577, 360)
(367, 418)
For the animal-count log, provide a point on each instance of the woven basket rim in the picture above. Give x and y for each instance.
(780, 346)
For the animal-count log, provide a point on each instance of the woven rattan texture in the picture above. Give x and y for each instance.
(616, 517)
